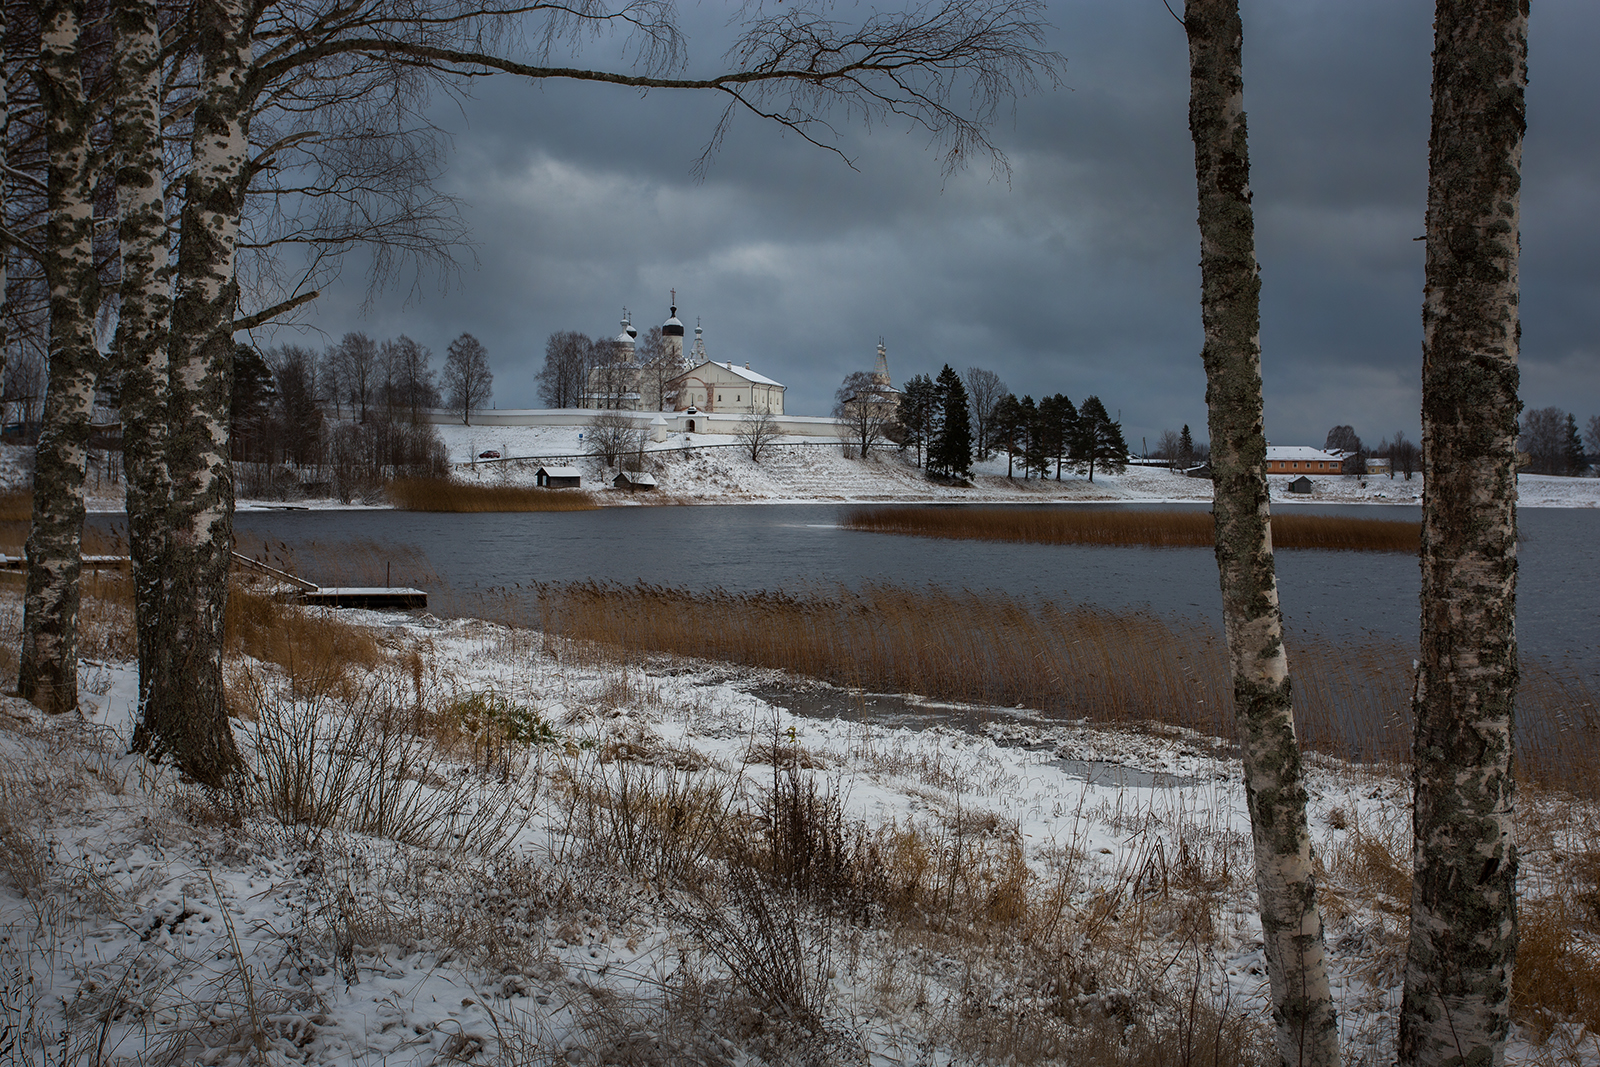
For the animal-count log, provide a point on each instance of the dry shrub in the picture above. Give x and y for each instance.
(1370, 866)
(1118, 526)
(1557, 977)
(358, 765)
(1185, 1029)
(441, 494)
(773, 949)
(489, 728)
(319, 654)
(658, 823)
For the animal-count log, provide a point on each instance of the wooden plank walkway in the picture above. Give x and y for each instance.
(337, 596)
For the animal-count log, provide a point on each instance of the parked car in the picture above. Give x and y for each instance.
(491, 454)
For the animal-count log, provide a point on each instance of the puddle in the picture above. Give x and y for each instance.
(913, 713)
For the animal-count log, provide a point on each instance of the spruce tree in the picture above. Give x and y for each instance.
(917, 415)
(1186, 447)
(1027, 437)
(1006, 423)
(951, 452)
(1572, 450)
(1098, 441)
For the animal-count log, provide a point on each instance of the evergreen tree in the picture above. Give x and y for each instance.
(950, 453)
(1027, 436)
(1098, 441)
(1058, 422)
(1186, 448)
(1572, 452)
(917, 417)
(1006, 427)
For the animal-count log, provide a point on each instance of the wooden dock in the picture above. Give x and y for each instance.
(335, 596)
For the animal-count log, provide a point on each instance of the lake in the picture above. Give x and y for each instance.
(470, 563)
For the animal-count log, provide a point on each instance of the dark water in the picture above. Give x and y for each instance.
(478, 559)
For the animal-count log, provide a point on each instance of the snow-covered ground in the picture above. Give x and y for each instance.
(137, 925)
(705, 468)
(711, 469)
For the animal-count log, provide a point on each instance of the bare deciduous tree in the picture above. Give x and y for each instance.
(355, 359)
(1303, 1013)
(984, 391)
(1456, 1007)
(611, 435)
(467, 375)
(565, 374)
(757, 432)
(1543, 438)
(865, 412)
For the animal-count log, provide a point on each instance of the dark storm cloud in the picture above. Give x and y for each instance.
(1077, 276)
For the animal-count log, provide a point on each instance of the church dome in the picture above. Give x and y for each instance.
(672, 327)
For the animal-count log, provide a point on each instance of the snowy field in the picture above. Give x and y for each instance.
(712, 470)
(413, 897)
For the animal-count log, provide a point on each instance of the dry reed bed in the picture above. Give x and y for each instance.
(1351, 701)
(441, 494)
(1114, 526)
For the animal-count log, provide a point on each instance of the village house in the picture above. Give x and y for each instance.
(1299, 459)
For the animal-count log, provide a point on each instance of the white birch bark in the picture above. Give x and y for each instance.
(1456, 1008)
(1302, 1004)
(146, 304)
(184, 714)
(48, 674)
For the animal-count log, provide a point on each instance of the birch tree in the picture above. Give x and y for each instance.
(184, 713)
(1456, 1004)
(145, 309)
(1302, 1004)
(48, 673)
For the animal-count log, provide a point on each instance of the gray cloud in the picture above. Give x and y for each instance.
(1079, 276)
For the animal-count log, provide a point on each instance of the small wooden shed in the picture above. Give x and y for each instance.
(634, 481)
(1301, 485)
(558, 477)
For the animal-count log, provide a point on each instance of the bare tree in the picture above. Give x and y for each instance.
(865, 412)
(1404, 455)
(467, 375)
(408, 377)
(1169, 446)
(356, 361)
(984, 391)
(1456, 1008)
(757, 432)
(1543, 438)
(657, 368)
(565, 373)
(1302, 1001)
(611, 435)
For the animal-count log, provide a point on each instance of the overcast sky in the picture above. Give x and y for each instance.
(1080, 276)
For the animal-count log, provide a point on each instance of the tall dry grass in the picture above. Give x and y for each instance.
(1113, 526)
(441, 494)
(1351, 700)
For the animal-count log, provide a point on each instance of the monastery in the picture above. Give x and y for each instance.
(678, 381)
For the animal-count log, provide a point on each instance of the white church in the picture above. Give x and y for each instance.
(677, 381)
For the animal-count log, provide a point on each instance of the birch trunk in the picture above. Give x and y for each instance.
(48, 674)
(1456, 1005)
(184, 714)
(146, 307)
(1302, 1004)
(5, 221)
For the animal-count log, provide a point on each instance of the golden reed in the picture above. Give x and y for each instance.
(441, 494)
(1119, 526)
(1352, 699)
